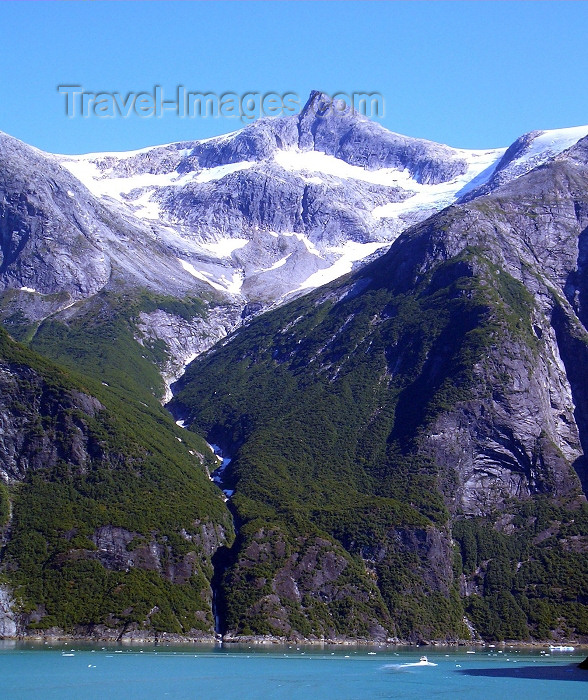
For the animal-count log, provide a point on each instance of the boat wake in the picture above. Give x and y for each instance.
(416, 664)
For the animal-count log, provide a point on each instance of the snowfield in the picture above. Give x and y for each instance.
(279, 257)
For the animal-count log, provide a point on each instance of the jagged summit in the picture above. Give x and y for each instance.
(319, 102)
(288, 202)
(401, 447)
(256, 216)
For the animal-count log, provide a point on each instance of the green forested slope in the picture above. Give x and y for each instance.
(342, 409)
(113, 519)
(407, 447)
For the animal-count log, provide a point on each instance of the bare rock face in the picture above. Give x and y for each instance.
(111, 545)
(185, 339)
(308, 576)
(49, 226)
(121, 550)
(60, 245)
(516, 441)
(333, 128)
(525, 430)
(8, 627)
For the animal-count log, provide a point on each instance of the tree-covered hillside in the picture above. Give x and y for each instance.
(418, 421)
(109, 516)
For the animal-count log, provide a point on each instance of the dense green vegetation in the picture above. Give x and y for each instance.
(139, 472)
(100, 340)
(4, 505)
(323, 406)
(330, 407)
(533, 580)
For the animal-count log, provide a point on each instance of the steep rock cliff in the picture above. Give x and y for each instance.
(437, 391)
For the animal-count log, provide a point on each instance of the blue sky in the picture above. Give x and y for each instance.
(470, 74)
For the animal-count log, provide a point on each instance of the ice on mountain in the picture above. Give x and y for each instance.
(225, 247)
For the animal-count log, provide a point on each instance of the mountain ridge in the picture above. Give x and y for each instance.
(441, 374)
(246, 233)
(403, 445)
(206, 227)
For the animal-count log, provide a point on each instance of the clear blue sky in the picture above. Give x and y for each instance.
(470, 74)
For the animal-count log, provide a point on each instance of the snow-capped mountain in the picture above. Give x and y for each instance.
(448, 376)
(529, 151)
(288, 203)
(292, 203)
(414, 435)
(252, 218)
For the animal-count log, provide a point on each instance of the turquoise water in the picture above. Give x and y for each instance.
(76, 671)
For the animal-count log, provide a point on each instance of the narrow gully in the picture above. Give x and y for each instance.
(221, 559)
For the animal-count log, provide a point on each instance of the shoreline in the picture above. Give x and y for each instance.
(266, 642)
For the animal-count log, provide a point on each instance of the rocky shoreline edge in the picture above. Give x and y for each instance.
(130, 637)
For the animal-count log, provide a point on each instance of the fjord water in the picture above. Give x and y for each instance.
(79, 671)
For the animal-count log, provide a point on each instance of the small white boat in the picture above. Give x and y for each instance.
(423, 661)
(561, 648)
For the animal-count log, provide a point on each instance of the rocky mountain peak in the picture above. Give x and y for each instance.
(528, 152)
(400, 448)
(255, 217)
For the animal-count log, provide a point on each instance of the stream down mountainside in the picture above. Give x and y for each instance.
(408, 441)
(387, 343)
